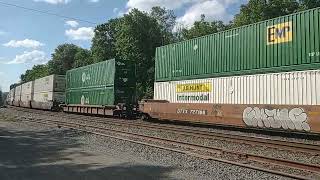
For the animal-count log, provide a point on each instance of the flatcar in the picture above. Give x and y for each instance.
(264, 75)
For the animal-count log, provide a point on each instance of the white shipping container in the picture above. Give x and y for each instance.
(288, 88)
(26, 97)
(11, 95)
(52, 83)
(17, 95)
(27, 88)
(49, 96)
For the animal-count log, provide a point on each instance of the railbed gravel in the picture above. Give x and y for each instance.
(190, 167)
(258, 150)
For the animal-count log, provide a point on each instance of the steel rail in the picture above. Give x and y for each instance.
(250, 140)
(190, 153)
(256, 158)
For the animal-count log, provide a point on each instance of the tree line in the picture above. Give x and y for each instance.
(136, 35)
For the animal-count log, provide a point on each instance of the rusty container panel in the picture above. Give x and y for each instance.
(298, 118)
(288, 43)
(288, 88)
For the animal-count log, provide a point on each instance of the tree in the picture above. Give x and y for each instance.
(103, 47)
(137, 37)
(166, 20)
(37, 71)
(259, 10)
(63, 59)
(202, 28)
(308, 4)
(83, 58)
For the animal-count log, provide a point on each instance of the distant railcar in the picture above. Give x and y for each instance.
(49, 92)
(105, 88)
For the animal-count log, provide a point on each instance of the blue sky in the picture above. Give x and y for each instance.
(28, 38)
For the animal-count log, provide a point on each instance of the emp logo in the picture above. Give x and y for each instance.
(279, 33)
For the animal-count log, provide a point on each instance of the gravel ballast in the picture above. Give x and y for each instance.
(171, 165)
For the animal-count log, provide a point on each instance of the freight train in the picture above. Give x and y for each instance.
(264, 75)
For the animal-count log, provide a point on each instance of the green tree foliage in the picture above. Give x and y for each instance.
(63, 59)
(82, 58)
(37, 71)
(137, 37)
(308, 4)
(259, 10)
(202, 28)
(166, 20)
(103, 47)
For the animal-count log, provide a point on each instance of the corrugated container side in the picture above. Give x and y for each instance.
(92, 76)
(289, 88)
(50, 83)
(11, 94)
(17, 96)
(106, 83)
(93, 96)
(49, 97)
(288, 43)
(27, 88)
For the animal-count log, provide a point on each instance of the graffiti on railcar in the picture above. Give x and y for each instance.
(294, 119)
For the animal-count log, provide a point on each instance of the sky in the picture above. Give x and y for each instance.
(28, 38)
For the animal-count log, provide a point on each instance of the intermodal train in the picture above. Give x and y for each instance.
(264, 75)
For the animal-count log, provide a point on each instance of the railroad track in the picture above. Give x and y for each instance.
(260, 163)
(309, 171)
(186, 131)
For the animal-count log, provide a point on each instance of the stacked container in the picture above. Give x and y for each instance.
(49, 92)
(26, 94)
(108, 83)
(263, 75)
(265, 51)
(17, 96)
(11, 96)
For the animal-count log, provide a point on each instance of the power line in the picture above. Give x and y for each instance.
(45, 12)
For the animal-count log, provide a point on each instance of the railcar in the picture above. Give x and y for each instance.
(105, 88)
(264, 75)
(46, 93)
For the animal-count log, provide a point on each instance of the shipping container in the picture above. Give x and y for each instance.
(49, 92)
(27, 94)
(107, 83)
(17, 96)
(52, 83)
(288, 43)
(288, 88)
(11, 96)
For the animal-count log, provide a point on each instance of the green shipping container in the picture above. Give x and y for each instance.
(106, 83)
(288, 43)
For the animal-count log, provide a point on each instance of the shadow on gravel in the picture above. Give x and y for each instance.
(48, 155)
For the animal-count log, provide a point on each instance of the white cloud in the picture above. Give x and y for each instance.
(83, 33)
(94, 1)
(54, 1)
(212, 9)
(27, 43)
(30, 57)
(146, 5)
(115, 10)
(72, 23)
